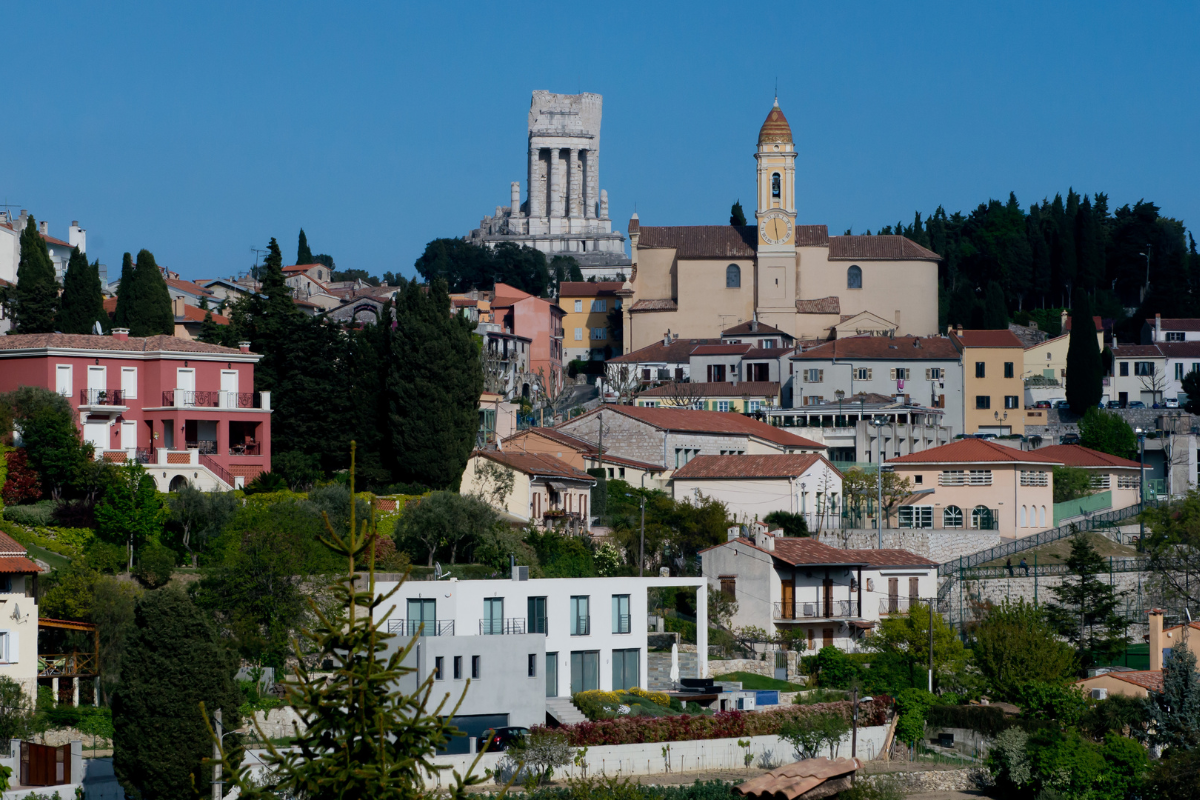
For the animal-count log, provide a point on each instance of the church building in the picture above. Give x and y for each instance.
(695, 281)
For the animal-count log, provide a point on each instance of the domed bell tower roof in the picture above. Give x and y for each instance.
(776, 128)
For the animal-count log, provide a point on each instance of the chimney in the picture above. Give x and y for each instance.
(732, 533)
(120, 334)
(667, 338)
(1158, 327)
(244, 347)
(1156, 639)
(77, 236)
(177, 306)
(44, 228)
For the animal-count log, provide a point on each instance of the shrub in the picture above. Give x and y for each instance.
(988, 720)
(812, 734)
(266, 482)
(834, 668)
(154, 565)
(660, 698)
(21, 483)
(34, 516)
(1050, 702)
(595, 704)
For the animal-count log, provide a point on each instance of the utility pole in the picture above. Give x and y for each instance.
(932, 600)
(879, 482)
(642, 549)
(216, 783)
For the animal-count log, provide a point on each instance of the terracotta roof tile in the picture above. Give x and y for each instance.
(589, 289)
(188, 286)
(975, 451)
(589, 449)
(792, 781)
(722, 349)
(884, 347)
(822, 305)
(774, 465)
(1177, 324)
(702, 241)
(536, 464)
(718, 422)
(800, 551)
(52, 240)
(654, 305)
(148, 344)
(702, 389)
(197, 314)
(1151, 680)
(17, 565)
(878, 248)
(767, 352)
(677, 352)
(996, 338)
(812, 236)
(10, 546)
(301, 267)
(1137, 351)
(763, 329)
(1179, 349)
(1076, 455)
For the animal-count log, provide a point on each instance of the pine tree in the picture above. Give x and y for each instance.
(127, 294)
(33, 303)
(210, 331)
(1087, 613)
(151, 315)
(174, 663)
(1087, 247)
(995, 317)
(736, 215)
(303, 254)
(82, 302)
(1084, 367)
(1175, 711)
(434, 382)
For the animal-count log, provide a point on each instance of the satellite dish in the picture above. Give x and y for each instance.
(96, 329)
(16, 612)
(437, 570)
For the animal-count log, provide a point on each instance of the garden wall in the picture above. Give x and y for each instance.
(938, 545)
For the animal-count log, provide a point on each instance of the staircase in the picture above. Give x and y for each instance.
(564, 711)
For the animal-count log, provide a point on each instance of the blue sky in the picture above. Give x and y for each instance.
(201, 131)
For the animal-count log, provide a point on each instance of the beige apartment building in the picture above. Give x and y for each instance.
(993, 363)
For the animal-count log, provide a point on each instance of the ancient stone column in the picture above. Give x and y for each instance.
(537, 186)
(603, 204)
(515, 192)
(573, 183)
(556, 193)
(589, 184)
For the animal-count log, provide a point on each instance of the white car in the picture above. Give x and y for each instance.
(1172, 402)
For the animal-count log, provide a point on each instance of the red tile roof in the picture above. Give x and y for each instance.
(1004, 338)
(975, 451)
(677, 352)
(774, 465)
(884, 347)
(136, 344)
(719, 422)
(196, 314)
(722, 349)
(52, 240)
(763, 329)
(1177, 324)
(767, 352)
(822, 305)
(10, 546)
(878, 248)
(301, 267)
(702, 241)
(1179, 349)
(588, 289)
(812, 236)
(1076, 455)
(701, 389)
(1151, 680)
(821, 777)
(1137, 351)
(589, 449)
(800, 551)
(188, 286)
(17, 565)
(536, 464)
(505, 295)
(654, 305)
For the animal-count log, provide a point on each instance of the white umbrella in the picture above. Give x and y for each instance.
(674, 664)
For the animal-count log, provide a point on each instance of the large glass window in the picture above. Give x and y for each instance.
(422, 612)
(585, 671)
(625, 669)
(581, 618)
(551, 674)
(493, 615)
(854, 277)
(733, 276)
(952, 517)
(537, 615)
(916, 516)
(620, 613)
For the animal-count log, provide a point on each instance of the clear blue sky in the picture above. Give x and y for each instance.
(199, 131)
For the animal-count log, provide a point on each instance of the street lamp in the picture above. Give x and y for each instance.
(878, 422)
(1141, 435)
(854, 717)
(642, 547)
(1146, 287)
(839, 394)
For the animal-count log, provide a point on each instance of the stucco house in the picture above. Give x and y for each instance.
(545, 490)
(834, 597)
(584, 455)
(978, 484)
(1109, 473)
(19, 625)
(747, 397)
(993, 389)
(1140, 683)
(668, 358)
(752, 486)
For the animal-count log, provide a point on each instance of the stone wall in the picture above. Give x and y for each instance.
(942, 780)
(937, 545)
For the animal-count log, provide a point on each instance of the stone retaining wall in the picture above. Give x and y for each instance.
(939, 546)
(945, 780)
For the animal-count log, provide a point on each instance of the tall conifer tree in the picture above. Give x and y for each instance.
(303, 254)
(127, 294)
(33, 302)
(152, 314)
(82, 302)
(1084, 371)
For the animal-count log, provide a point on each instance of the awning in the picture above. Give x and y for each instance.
(556, 486)
(863, 624)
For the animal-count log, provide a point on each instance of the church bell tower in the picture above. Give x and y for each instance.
(776, 212)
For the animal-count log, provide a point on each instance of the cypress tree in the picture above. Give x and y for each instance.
(1084, 373)
(1066, 235)
(303, 254)
(82, 302)
(434, 382)
(175, 662)
(273, 317)
(1088, 254)
(33, 302)
(151, 314)
(210, 331)
(736, 215)
(127, 294)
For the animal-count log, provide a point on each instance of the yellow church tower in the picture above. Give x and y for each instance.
(776, 216)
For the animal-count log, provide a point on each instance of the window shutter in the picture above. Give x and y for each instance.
(14, 649)
(870, 372)
(928, 374)
(820, 375)
(891, 375)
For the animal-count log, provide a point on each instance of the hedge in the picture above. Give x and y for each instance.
(613, 789)
(722, 725)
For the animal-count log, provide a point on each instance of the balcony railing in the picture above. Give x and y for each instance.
(207, 447)
(412, 627)
(897, 605)
(830, 609)
(499, 627)
(581, 626)
(101, 397)
(66, 664)
(245, 449)
(217, 469)
(210, 399)
(144, 455)
(539, 624)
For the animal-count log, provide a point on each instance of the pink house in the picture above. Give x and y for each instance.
(185, 409)
(537, 319)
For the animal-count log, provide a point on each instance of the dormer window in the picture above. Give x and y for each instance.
(775, 185)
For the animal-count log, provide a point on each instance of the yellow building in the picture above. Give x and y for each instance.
(698, 280)
(1048, 359)
(993, 363)
(587, 334)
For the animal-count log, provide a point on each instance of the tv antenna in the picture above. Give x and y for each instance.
(7, 204)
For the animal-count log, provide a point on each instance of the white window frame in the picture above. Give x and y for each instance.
(720, 405)
(66, 388)
(916, 516)
(129, 381)
(578, 305)
(1100, 482)
(579, 334)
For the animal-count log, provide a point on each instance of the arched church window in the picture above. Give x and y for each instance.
(733, 277)
(854, 277)
(775, 185)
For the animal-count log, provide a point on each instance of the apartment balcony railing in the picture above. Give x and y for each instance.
(581, 626)
(500, 627)
(144, 455)
(245, 449)
(101, 397)
(206, 447)
(187, 398)
(412, 627)
(897, 605)
(832, 609)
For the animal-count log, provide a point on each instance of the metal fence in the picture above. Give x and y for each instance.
(826, 609)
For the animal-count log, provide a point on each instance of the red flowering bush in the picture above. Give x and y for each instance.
(21, 484)
(722, 725)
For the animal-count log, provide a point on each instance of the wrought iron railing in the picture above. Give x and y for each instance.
(101, 397)
(825, 609)
(497, 626)
(143, 455)
(217, 469)
(413, 627)
(897, 605)
(205, 446)
(168, 398)
(245, 449)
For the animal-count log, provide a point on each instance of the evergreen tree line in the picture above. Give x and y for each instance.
(1001, 259)
(465, 266)
(406, 387)
(37, 304)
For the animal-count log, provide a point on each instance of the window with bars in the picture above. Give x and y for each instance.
(1100, 482)
(1127, 482)
(916, 516)
(1035, 478)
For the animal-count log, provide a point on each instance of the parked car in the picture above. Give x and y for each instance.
(1172, 402)
(1061, 403)
(1042, 404)
(1114, 403)
(498, 739)
(1136, 404)
(1069, 438)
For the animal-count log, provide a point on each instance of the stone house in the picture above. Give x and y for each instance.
(584, 455)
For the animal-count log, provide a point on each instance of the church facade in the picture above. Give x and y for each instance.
(565, 211)
(695, 281)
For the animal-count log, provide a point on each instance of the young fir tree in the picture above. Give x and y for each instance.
(127, 294)
(1175, 711)
(303, 254)
(33, 302)
(1084, 371)
(152, 315)
(174, 663)
(1088, 610)
(82, 301)
(364, 736)
(736, 215)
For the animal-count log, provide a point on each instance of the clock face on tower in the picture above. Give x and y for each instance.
(775, 228)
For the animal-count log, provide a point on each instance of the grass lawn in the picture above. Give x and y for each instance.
(752, 682)
(1058, 552)
(53, 559)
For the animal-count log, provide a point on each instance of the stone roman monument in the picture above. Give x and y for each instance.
(565, 211)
